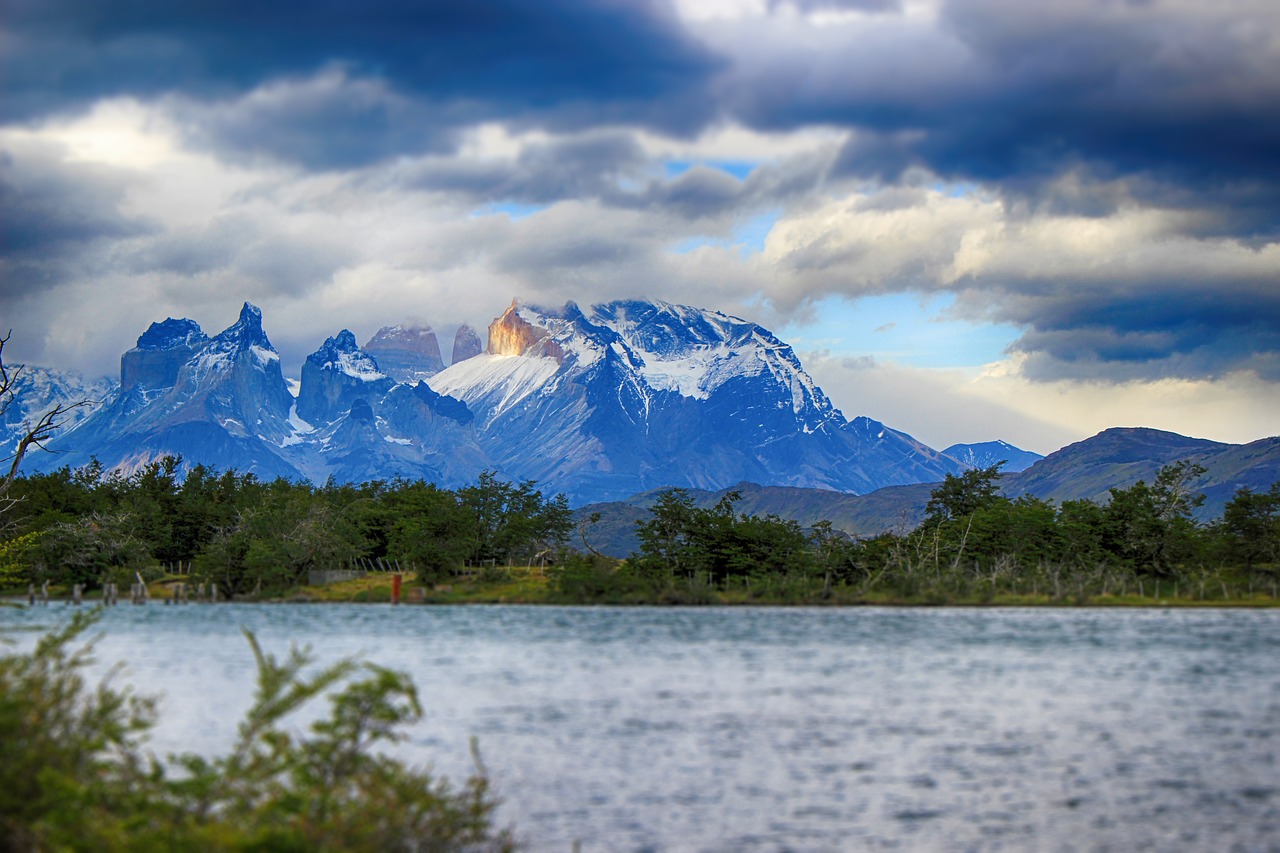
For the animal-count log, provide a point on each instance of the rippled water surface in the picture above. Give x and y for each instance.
(789, 729)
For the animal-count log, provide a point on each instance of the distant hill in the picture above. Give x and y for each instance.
(988, 453)
(1120, 457)
(1114, 458)
(894, 508)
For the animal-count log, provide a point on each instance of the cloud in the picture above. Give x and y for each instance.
(372, 77)
(1135, 294)
(942, 407)
(1174, 94)
(1099, 175)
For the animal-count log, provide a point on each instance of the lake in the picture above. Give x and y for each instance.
(769, 729)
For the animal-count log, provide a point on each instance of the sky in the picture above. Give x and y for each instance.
(973, 219)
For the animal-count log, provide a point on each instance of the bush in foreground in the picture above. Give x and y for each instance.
(75, 776)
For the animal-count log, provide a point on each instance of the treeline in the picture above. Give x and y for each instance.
(975, 545)
(250, 537)
(87, 526)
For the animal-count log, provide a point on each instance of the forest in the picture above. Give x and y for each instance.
(501, 541)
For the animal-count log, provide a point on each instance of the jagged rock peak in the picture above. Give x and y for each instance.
(466, 344)
(247, 331)
(408, 354)
(342, 353)
(170, 334)
(512, 334)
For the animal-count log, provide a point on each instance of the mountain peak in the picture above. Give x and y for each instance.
(466, 344)
(171, 333)
(342, 353)
(407, 354)
(513, 334)
(246, 332)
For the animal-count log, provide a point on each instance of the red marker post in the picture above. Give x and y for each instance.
(395, 589)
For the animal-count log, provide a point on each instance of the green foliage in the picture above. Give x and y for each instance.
(684, 541)
(255, 537)
(1251, 526)
(15, 557)
(75, 777)
(1151, 526)
(962, 496)
(88, 549)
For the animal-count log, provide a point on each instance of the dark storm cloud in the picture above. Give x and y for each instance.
(48, 205)
(562, 62)
(55, 216)
(1177, 328)
(611, 168)
(583, 167)
(1014, 94)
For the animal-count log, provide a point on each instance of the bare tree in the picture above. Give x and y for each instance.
(35, 435)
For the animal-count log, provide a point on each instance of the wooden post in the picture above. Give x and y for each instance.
(395, 588)
(77, 594)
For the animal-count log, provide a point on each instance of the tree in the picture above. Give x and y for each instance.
(1152, 525)
(962, 496)
(1251, 525)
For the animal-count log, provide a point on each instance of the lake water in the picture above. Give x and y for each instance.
(740, 729)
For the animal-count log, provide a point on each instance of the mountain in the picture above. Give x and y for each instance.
(1114, 458)
(626, 397)
(337, 375)
(222, 401)
(406, 353)
(1119, 457)
(988, 453)
(38, 390)
(466, 344)
(639, 395)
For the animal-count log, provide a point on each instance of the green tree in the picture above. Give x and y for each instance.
(1152, 526)
(1251, 525)
(962, 496)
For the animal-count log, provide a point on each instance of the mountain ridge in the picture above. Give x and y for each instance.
(597, 404)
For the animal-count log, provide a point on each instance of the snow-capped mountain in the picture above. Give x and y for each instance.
(637, 395)
(37, 390)
(335, 376)
(219, 401)
(600, 404)
(987, 453)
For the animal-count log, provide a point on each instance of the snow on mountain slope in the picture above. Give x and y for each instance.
(38, 390)
(634, 394)
(987, 453)
(621, 398)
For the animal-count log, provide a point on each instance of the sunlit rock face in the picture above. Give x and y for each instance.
(634, 395)
(512, 334)
(466, 344)
(406, 353)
